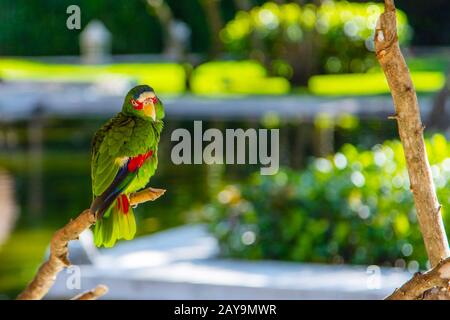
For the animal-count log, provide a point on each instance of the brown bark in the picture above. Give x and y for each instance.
(93, 294)
(243, 5)
(46, 275)
(433, 283)
(164, 14)
(437, 294)
(411, 135)
(149, 194)
(215, 22)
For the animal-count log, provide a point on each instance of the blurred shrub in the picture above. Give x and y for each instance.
(352, 207)
(336, 37)
(370, 83)
(164, 77)
(235, 77)
(39, 27)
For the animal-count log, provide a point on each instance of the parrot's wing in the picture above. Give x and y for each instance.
(149, 139)
(107, 157)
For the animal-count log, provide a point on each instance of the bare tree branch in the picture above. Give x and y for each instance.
(164, 14)
(93, 294)
(437, 294)
(46, 275)
(419, 286)
(411, 135)
(243, 5)
(215, 22)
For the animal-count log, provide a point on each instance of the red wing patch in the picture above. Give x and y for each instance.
(137, 162)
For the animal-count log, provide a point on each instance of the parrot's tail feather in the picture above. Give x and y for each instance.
(117, 223)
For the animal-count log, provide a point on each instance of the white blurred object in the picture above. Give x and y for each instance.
(112, 84)
(8, 212)
(186, 243)
(83, 251)
(95, 43)
(183, 263)
(179, 40)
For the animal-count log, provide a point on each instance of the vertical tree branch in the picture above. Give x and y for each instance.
(411, 134)
(215, 22)
(243, 5)
(164, 14)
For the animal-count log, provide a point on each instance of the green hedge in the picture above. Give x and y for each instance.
(236, 77)
(167, 78)
(353, 207)
(371, 83)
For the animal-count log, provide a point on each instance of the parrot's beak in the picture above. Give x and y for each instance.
(150, 110)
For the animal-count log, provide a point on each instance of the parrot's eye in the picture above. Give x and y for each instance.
(154, 100)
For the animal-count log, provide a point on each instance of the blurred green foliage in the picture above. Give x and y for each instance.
(336, 37)
(20, 256)
(39, 27)
(236, 77)
(23, 28)
(352, 207)
(164, 77)
(370, 83)
(30, 28)
(222, 77)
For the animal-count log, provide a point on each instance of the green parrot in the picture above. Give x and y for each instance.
(124, 158)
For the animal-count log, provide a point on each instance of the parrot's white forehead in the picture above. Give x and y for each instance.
(145, 95)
